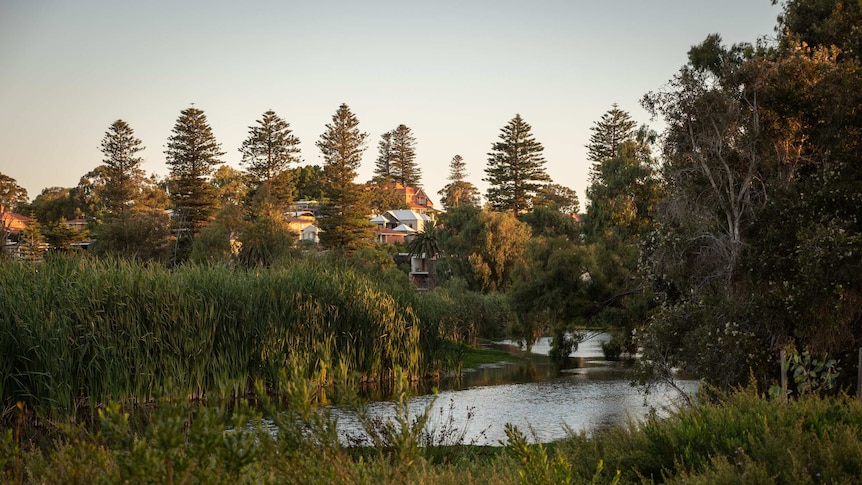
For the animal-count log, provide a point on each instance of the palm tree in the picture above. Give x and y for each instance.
(425, 245)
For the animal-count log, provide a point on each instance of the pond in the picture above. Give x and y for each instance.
(540, 399)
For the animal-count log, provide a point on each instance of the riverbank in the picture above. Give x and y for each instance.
(740, 438)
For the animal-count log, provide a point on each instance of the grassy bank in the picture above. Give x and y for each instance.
(742, 438)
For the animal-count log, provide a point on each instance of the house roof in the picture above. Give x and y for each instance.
(405, 215)
(14, 217)
(414, 196)
(14, 222)
(390, 232)
(403, 228)
(379, 220)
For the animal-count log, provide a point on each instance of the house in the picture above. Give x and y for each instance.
(14, 223)
(422, 271)
(414, 220)
(415, 198)
(298, 221)
(398, 226)
(77, 224)
(310, 234)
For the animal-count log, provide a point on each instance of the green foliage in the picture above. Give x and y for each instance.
(343, 219)
(192, 155)
(231, 186)
(739, 437)
(482, 247)
(516, 168)
(307, 181)
(55, 204)
(402, 165)
(383, 164)
(11, 194)
(624, 192)
(536, 465)
(458, 191)
(811, 374)
(270, 148)
(549, 291)
(266, 240)
(60, 236)
(615, 127)
(130, 331)
(396, 159)
(760, 231)
(383, 196)
(142, 235)
(426, 243)
(557, 197)
(123, 174)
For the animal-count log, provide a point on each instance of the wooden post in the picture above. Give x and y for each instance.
(859, 377)
(783, 375)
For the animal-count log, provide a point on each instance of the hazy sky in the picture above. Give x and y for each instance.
(453, 71)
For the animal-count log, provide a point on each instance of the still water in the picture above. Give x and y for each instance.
(534, 395)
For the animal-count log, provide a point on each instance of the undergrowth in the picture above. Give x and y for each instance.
(738, 437)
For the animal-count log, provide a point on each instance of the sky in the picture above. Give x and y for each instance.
(455, 72)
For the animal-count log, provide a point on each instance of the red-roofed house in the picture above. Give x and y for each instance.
(416, 198)
(14, 223)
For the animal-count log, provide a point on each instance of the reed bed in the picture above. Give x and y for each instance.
(76, 332)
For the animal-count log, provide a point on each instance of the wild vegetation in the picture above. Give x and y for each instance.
(708, 248)
(738, 437)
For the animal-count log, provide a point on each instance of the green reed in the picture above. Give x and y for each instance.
(76, 332)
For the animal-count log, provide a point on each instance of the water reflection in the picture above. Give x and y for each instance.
(589, 394)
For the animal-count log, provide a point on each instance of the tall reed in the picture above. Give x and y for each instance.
(75, 332)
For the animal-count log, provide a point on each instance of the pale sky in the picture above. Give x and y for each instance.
(455, 72)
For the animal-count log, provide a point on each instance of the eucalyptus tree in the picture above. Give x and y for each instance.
(11, 194)
(192, 156)
(558, 197)
(344, 216)
(516, 168)
(759, 242)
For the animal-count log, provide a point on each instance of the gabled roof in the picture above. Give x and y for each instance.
(404, 228)
(405, 215)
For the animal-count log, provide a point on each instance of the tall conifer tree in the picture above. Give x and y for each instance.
(458, 191)
(516, 168)
(192, 155)
(267, 154)
(403, 164)
(615, 127)
(122, 173)
(343, 218)
(383, 166)
(270, 149)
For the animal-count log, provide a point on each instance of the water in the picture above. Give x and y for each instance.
(544, 402)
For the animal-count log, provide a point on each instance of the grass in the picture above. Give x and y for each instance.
(476, 356)
(739, 437)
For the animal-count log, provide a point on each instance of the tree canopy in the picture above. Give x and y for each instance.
(192, 156)
(343, 218)
(458, 191)
(11, 194)
(516, 168)
(271, 148)
(123, 174)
